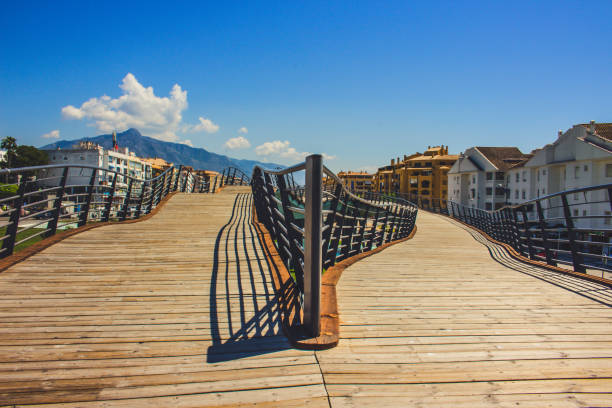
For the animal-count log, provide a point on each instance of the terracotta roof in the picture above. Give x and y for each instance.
(603, 130)
(502, 157)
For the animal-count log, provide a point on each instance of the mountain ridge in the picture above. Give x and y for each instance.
(177, 153)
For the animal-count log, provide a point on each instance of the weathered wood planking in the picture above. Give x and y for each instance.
(145, 314)
(436, 321)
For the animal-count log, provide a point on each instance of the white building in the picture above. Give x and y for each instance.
(89, 154)
(580, 157)
(478, 177)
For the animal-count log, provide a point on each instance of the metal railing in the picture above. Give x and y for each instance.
(321, 223)
(38, 201)
(572, 227)
(230, 176)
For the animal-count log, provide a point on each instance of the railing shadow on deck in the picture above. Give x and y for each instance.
(590, 290)
(245, 315)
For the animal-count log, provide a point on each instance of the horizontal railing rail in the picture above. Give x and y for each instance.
(36, 202)
(321, 223)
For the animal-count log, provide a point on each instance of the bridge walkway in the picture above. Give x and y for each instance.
(177, 310)
(448, 319)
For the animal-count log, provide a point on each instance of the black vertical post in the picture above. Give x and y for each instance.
(126, 200)
(178, 176)
(312, 244)
(52, 226)
(9, 243)
(111, 197)
(571, 236)
(527, 233)
(545, 243)
(85, 213)
(184, 188)
(150, 204)
(141, 201)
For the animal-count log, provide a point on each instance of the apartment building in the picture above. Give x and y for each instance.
(478, 178)
(489, 178)
(420, 176)
(358, 182)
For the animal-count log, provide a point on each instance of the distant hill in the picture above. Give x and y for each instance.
(144, 146)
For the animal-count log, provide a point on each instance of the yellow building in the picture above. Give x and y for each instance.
(419, 176)
(157, 164)
(357, 182)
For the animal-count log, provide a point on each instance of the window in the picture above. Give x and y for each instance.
(524, 176)
(538, 174)
(499, 176)
(65, 157)
(524, 195)
(543, 191)
(82, 157)
(489, 176)
(575, 213)
(576, 196)
(608, 219)
(544, 172)
(518, 177)
(584, 213)
(489, 191)
(488, 206)
(508, 179)
(500, 191)
(586, 167)
(516, 193)
(608, 169)
(576, 171)
(473, 193)
(473, 179)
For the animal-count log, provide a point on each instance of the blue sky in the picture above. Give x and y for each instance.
(359, 81)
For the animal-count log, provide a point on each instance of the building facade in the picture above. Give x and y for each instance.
(358, 182)
(419, 177)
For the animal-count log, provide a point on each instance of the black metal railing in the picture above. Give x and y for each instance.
(428, 203)
(36, 202)
(230, 176)
(321, 223)
(572, 227)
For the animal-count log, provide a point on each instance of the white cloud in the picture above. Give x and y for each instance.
(137, 107)
(187, 142)
(205, 125)
(239, 142)
(54, 134)
(243, 130)
(280, 149)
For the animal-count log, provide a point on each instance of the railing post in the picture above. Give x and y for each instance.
(85, 214)
(9, 243)
(571, 236)
(527, 234)
(150, 204)
(184, 188)
(111, 197)
(126, 200)
(178, 176)
(312, 244)
(545, 243)
(141, 201)
(222, 177)
(58, 203)
(214, 186)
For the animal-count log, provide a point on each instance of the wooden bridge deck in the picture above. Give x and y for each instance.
(174, 311)
(179, 311)
(439, 321)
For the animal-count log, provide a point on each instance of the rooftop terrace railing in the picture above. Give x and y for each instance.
(38, 201)
(321, 223)
(572, 227)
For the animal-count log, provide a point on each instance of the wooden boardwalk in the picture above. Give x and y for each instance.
(437, 321)
(179, 311)
(175, 311)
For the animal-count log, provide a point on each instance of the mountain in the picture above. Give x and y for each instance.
(177, 153)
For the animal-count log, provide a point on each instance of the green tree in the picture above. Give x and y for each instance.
(27, 156)
(10, 145)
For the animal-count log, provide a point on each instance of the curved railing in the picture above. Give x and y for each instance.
(230, 176)
(572, 227)
(38, 201)
(321, 223)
